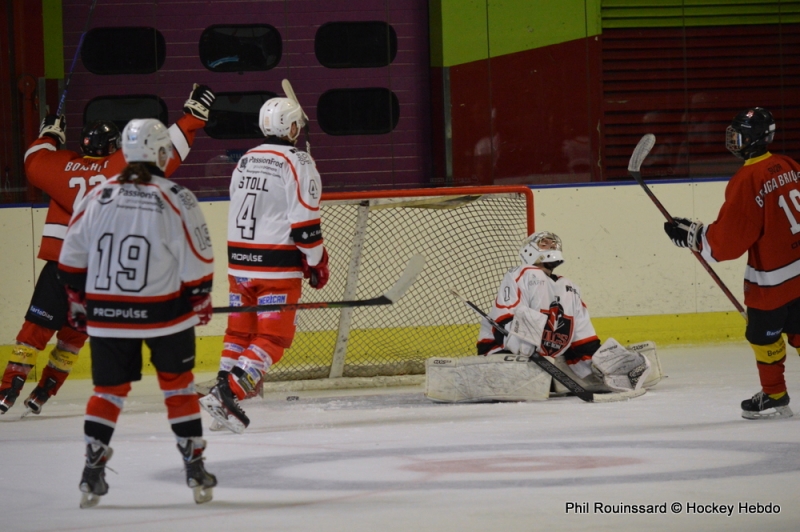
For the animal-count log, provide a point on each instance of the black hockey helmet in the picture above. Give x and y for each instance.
(750, 133)
(100, 138)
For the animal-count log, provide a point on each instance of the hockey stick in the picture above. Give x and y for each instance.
(289, 91)
(75, 60)
(413, 268)
(638, 156)
(555, 372)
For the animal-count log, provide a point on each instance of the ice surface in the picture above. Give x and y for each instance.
(389, 460)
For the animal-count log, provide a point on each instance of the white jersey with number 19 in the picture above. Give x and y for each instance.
(273, 218)
(143, 250)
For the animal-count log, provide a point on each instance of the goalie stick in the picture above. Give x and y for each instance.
(638, 156)
(555, 372)
(413, 268)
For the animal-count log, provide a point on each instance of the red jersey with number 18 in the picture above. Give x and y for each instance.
(761, 215)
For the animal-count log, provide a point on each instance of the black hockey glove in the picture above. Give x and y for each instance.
(200, 101)
(53, 126)
(685, 233)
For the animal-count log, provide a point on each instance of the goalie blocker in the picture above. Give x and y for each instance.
(510, 377)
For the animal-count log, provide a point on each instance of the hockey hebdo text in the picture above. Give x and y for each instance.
(686, 508)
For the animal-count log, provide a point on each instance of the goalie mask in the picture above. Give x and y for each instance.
(147, 141)
(750, 133)
(277, 116)
(100, 138)
(542, 248)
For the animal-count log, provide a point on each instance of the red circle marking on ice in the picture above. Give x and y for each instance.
(518, 464)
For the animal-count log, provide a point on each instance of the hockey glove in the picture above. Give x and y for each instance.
(685, 233)
(202, 307)
(76, 313)
(317, 275)
(200, 101)
(54, 126)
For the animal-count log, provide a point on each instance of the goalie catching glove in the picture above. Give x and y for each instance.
(620, 369)
(685, 233)
(525, 331)
(200, 101)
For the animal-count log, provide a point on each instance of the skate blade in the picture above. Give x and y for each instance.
(202, 494)
(211, 405)
(780, 412)
(89, 500)
(27, 413)
(216, 426)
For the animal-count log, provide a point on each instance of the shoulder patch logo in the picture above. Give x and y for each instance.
(243, 163)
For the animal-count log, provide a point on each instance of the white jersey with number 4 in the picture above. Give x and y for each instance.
(143, 250)
(273, 218)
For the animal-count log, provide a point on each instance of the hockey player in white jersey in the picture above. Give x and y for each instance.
(547, 309)
(138, 265)
(274, 241)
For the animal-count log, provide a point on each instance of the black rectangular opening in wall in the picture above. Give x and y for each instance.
(123, 50)
(240, 48)
(355, 44)
(123, 109)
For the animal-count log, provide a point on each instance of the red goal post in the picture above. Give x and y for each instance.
(469, 236)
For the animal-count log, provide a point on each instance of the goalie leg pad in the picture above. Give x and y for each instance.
(485, 378)
(590, 382)
(648, 349)
(620, 369)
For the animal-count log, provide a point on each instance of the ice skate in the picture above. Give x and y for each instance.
(224, 407)
(9, 395)
(39, 397)
(197, 478)
(754, 407)
(93, 482)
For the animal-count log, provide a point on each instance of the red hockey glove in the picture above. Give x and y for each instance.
(317, 275)
(76, 313)
(202, 307)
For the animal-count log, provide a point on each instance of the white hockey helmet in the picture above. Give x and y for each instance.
(146, 141)
(277, 116)
(534, 251)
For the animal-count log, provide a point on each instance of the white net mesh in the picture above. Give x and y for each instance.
(469, 239)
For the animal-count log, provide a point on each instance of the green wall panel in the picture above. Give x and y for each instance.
(463, 31)
(693, 13)
(53, 35)
(520, 25)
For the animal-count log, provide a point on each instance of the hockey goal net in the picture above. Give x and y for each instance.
(469, 237)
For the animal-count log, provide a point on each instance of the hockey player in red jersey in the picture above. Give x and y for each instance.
(67, 177)
(274, 240)
(759, 216)
(547, 310)
(138, 266)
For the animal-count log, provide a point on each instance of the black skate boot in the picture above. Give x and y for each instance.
(197, 478)
(9, 395)
(39, 397)
(93, 482)
(754, 407)
(224, 407)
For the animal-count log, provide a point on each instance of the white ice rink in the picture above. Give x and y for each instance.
(388, 460)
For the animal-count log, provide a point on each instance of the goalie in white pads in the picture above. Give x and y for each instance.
(543, 312)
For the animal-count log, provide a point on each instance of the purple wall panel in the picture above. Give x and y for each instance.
(400, 159)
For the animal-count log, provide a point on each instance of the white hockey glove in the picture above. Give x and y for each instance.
(525, 331)
(53, 126)
(200, 101)
(685, 233)
(620, 369)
